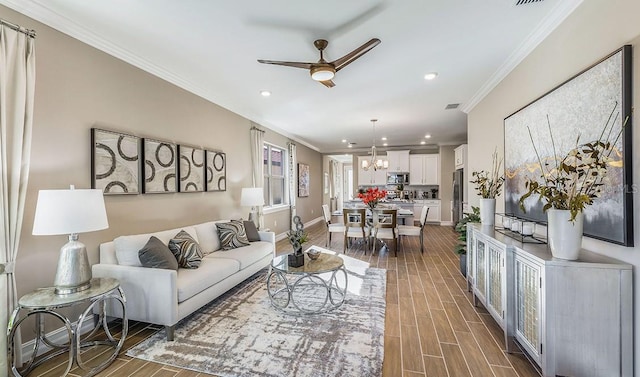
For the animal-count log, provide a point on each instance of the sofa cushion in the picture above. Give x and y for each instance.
(127, 247)
(232, 235)
(246, 256)
(211, 271)
(155, 254)
(186, 250)
(251, 231)
(208, 236)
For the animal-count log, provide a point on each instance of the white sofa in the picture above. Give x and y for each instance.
(164, 297)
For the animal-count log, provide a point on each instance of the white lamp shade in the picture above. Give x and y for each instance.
(69, 211)
(252, 196)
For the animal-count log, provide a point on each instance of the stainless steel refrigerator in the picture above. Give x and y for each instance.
(458, 195)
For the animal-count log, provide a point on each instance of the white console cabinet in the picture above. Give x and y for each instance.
(572, 318)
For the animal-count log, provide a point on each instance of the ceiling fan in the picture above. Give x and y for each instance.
(323, 71)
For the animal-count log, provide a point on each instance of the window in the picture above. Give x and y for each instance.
(275, 167)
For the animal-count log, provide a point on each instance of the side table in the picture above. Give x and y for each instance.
(44, 301)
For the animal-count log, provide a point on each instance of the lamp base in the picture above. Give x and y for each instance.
(253, 216)
(74, 272)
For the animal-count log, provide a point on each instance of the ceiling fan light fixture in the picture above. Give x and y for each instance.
(323, 73)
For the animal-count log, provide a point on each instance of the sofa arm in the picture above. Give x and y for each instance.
(269, 237)
(151, 293)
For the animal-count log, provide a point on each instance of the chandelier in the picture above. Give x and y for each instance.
(374, 163)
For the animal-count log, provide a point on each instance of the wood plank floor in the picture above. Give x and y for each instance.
(431, 326)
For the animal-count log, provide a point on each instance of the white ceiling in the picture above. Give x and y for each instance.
(210, 48)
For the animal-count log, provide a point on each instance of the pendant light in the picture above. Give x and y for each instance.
(374, 163)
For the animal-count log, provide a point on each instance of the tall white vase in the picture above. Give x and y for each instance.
(487, 211)
(564, 236)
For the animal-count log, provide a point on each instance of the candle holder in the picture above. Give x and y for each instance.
(525, 231)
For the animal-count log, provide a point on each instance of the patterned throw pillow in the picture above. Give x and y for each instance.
(232, 235)
(186, 250)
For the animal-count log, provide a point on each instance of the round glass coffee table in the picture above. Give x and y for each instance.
(316, 287)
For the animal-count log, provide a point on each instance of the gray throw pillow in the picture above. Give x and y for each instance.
(155, 254)
(251, 231)
(232, 235)
(186, 250)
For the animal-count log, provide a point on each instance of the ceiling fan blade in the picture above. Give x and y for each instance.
(287, 64)
(328, 83)
(355, 54)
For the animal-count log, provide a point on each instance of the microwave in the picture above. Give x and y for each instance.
(397, 178)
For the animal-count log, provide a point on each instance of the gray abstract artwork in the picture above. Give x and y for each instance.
(115, 162)
(579, 108)
(191, 169)
(159, 166)
(216, 171)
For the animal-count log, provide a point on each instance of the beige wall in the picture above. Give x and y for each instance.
(79, 87)
(595, 29)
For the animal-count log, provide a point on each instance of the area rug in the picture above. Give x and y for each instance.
(241, 334)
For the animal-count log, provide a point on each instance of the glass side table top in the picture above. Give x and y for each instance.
(46, 297)
(324, 263)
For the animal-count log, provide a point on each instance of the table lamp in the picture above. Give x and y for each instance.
(70, 212)
(252, 197)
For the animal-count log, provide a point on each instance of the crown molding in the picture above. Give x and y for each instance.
(39, 12)
(561, 11)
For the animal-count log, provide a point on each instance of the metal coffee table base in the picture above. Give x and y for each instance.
(288, 294)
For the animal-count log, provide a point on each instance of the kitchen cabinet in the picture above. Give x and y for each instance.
(572, 318)
(460, 156)
(371, 177)
(398, 161)
(424, 169)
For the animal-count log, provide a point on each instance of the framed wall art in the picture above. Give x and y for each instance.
(303, 180)
(159, 166)
(215, 171)
(579, 107)
(191, 169)
(115, 162)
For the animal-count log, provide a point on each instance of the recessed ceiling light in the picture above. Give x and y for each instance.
(265, 93)
(350, 145)
(423, 142)
(385, 144)
(427, 136)
(344, 140)
(431, 75)
(384, 138)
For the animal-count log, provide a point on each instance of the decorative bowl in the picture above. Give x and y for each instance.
(313, 254)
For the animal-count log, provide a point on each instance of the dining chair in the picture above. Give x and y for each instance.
(331, 228)
(355, 224)
(415, 231)
(385, 226)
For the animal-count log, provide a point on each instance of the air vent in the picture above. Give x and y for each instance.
(524, 2)
(452, 106)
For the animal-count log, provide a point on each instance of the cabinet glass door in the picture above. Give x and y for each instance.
(496, 261)
(528, 305)
(480, 275)
(470, 254)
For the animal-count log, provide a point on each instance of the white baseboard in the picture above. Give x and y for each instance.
(446, 223)
(58, 336)
(283, 235)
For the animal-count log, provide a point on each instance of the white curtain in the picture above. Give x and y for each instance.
(17, 89)
(257, 162)
(293, 179)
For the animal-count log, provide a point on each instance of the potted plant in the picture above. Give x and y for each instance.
(461, 228)
(488, 186)
(297, 237)
(569, 184)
